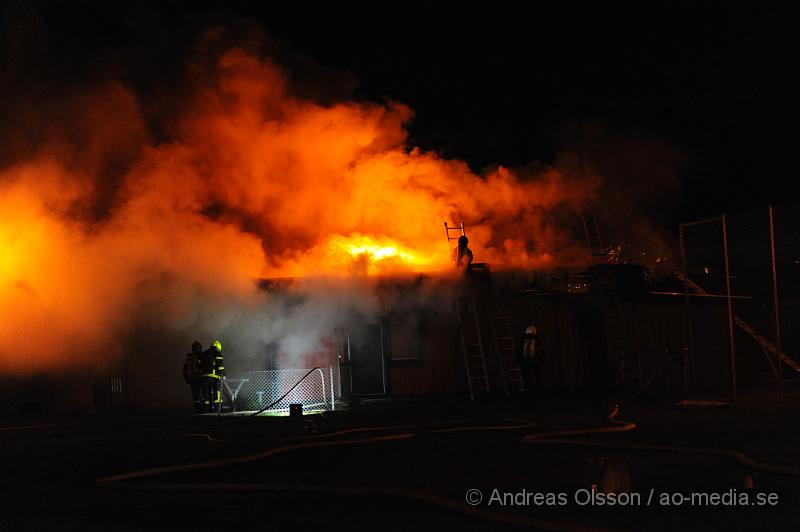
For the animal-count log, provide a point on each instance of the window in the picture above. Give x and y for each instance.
(404, 336)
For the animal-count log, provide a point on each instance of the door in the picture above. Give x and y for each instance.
(367, 360)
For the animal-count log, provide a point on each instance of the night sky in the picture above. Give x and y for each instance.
(489, 85)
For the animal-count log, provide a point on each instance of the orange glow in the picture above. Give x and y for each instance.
(376, 255)
(310, 177)
(254, 181)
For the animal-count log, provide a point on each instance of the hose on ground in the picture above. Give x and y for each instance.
(554, 438)
(123, 480)
(460, 507)
(616, 426)
(547, 438)
(115, 480)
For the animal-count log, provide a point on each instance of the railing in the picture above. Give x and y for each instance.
(275, 390)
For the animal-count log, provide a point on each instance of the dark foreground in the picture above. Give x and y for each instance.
(404, 466)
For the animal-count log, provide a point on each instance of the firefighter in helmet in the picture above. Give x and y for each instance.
(530, 360)
(462, 255)
(191, 374)
(213, 369)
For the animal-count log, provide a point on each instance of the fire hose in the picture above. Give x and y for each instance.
(547, 438)
(279, 399)
(657, 367)
(121, 481)
(553, 438)
(550, 438)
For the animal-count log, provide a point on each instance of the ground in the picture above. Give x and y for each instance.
(400, 465)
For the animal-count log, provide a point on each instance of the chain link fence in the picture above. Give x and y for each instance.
(275, 390)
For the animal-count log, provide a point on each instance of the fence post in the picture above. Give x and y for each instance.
(333, 396)
(322, 380)
(776, 304)
(731, 340)
(687, 302)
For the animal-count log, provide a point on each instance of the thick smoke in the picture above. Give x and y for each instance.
(123, 235)
(640, 189)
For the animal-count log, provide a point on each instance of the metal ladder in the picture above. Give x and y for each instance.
(607, 286)
(744, 326)
(459, 230)
(506, 354)
(472, 346)
(593, 239)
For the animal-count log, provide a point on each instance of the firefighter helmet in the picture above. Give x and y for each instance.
(218, 345)
(197, 347)
(463, 241)
(531, 330)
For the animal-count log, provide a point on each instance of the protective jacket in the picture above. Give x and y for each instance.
(462, 256)
(531, 345)
(212, 364)
(191, 367)
(213, 369)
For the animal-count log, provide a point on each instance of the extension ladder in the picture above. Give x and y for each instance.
(472, 346)
(506, 355)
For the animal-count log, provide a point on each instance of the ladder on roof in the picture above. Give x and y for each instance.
(597, 249)
(472, 346)
(744, 326)
(459, 230)
(506, 355)
(606, 284)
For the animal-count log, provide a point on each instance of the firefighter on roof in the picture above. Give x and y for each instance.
(462, 255)
(191, 374)
(213, 368)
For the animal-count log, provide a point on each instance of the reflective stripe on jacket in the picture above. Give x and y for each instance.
(532, 348)
(212, 363)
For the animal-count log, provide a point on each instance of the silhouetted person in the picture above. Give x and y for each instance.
(192, 375)
(462, 255)
(530, 361)
(213, 370)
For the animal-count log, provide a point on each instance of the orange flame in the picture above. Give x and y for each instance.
(376, 255)
(255, 182)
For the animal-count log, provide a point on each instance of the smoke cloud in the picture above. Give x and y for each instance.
(123, 222)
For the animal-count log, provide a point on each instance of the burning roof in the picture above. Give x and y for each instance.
(105, 220)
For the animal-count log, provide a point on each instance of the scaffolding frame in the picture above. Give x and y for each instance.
(732, 320)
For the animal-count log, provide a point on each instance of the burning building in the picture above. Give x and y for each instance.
(459, 335)
(137, 224)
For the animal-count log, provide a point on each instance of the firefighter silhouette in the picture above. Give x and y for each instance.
(462, 255)
(193, 377)
(213, 371)
(530, 360)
